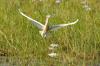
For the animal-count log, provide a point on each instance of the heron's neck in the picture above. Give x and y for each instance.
(46, 22)
(46, 26)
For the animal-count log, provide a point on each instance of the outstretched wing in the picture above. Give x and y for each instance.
(36, 23)
(55, 27)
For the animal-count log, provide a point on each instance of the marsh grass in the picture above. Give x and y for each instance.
(80, 42)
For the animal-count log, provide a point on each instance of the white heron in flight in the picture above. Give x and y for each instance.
(45, 28)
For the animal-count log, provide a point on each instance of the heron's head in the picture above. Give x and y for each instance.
(48, 16)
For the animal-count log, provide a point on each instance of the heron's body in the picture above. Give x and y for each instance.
(44, 31)
(45, 28)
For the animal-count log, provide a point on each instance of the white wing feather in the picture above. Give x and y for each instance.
(55, 27)
(36, 23)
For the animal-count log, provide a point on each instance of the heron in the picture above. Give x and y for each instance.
(44, 29)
